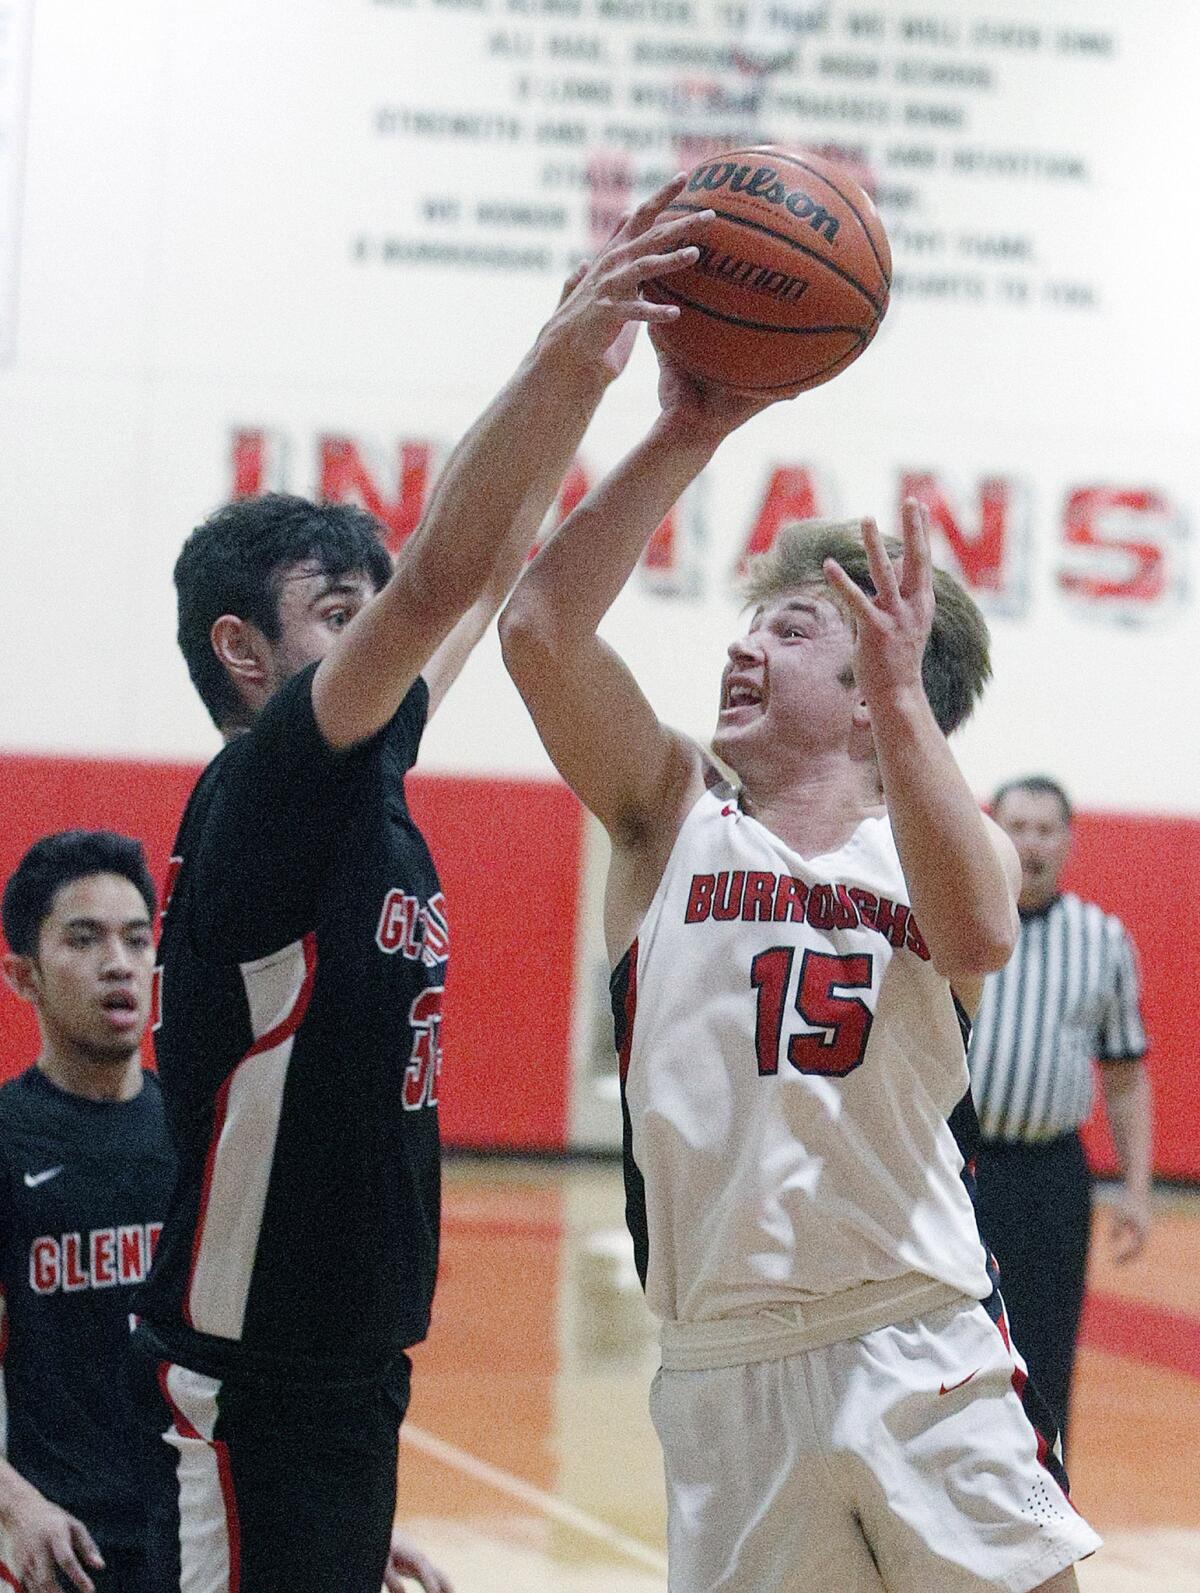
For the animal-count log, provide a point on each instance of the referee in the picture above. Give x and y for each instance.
(1068, 995)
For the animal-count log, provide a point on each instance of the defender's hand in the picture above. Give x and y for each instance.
(603, 298)
(44, 1540)
(406, 1561)
(616, 355)
(891, 628)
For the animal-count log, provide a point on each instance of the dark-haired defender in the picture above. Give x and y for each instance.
(839, 1405)
(86, 1169)
(1068, 996)
(304, 953)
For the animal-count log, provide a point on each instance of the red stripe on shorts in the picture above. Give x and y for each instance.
(233, 1530)
(1046, 1456)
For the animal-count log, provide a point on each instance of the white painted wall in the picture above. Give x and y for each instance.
(195, 178)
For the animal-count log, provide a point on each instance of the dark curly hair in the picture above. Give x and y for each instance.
(235, 561)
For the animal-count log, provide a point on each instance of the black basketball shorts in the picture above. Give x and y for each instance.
(263, 1487)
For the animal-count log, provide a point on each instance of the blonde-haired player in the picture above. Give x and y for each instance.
(795, 961)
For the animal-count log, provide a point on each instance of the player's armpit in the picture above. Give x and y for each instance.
(635, 774)
(636, 870)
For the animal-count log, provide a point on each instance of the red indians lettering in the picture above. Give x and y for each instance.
(418, 930)
(96, 1260)
(761, 897)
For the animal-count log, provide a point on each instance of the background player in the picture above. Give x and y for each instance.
(86, 1170)
(1069, 994)
(832, 1394)
(304, 950)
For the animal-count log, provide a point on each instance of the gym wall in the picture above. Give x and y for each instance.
(301, 244)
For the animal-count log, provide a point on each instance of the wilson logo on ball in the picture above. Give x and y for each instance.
(793, 276)
(762, 182)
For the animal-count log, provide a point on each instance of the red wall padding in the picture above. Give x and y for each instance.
(1145, 869)
(509, 853)
(509, 856)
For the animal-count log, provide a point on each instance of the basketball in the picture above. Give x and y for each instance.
(793, 275)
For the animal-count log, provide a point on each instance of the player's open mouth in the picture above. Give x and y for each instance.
(741, 694)
(121, 1009)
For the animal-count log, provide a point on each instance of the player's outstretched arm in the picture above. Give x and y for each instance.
(962, 871)
(44, 1539)
(447, 662)
(634, 774)
(523, 440)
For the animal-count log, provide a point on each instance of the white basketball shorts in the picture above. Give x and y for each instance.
(901, 1460)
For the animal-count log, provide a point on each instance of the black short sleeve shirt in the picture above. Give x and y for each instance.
(84, 1187)
(303, 956)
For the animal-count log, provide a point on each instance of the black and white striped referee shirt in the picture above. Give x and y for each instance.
(1068, 994)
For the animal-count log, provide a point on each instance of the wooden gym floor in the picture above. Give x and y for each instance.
(528, 1461)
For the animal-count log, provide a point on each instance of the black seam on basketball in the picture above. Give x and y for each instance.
(846, 359)
(795, 160)
(801, 248)
(814, 378)
(885, 276)
(664, 286)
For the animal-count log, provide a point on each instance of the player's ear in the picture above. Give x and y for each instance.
(242, 648)
(20, 976)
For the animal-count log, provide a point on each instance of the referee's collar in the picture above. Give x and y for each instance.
(1026, 914)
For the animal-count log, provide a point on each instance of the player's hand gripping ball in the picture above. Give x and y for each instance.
(793, 276)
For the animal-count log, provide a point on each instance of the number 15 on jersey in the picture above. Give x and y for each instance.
(839, 1022)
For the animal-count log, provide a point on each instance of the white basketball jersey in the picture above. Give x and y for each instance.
(790, 1063)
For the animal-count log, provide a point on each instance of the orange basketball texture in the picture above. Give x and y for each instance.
(793, 276)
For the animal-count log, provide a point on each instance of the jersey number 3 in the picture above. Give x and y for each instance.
(425, 1063)
(842, 1021)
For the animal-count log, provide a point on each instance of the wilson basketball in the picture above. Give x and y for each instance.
(793, 276)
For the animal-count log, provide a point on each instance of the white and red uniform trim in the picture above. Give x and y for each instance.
(244, 1132)
(209, 1533)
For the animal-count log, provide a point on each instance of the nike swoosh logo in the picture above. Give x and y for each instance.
(32, 1180)
(961, 1382)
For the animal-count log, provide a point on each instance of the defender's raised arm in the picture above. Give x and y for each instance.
(500, 480)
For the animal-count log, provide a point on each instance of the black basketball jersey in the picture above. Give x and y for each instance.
(84, 1187)
(303, 953)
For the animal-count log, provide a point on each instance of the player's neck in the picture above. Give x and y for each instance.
(815, 811)
(94, 1081)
